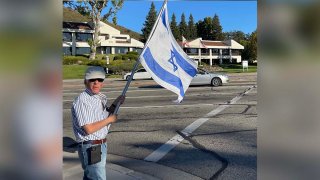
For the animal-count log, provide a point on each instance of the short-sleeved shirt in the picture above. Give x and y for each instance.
(88, 108)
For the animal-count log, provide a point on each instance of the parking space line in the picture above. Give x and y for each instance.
(159, 153)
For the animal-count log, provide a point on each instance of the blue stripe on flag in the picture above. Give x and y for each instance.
(162, 73)
(184, 64)
(163, 17)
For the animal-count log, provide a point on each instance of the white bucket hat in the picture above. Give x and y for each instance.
(95, 72)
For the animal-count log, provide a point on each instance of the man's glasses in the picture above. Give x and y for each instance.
(94, 80)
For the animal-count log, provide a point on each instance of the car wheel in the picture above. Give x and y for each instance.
(128, 77)
(216, 82)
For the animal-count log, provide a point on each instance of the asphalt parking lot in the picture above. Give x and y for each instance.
(212, 134)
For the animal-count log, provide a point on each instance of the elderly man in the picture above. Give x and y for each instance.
(91, 118)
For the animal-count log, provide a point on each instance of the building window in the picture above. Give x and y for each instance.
(138, 50)
(82, 50)
(215, 51)
(205, 51)
(119, 37)
(67, 51)
(225, 52)
(191, 50)
(67, 36)
(121, 50)
(83, 37)
(107, 50)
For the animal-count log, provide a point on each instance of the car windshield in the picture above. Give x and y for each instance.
(202, 71)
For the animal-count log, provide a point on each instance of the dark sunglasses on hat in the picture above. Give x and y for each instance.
(94, 80)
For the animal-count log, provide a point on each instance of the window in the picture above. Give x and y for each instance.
(83, 37)
(67, 36)
(119, 37)
(215, 51)
(204, 51)
(121, 50)
(225, 52)
(67, 51)
(138, 50)
(192, 51)
(82, 50)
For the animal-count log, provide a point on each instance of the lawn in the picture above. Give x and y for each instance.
(236, 68)
(74, 71)
(77, 72)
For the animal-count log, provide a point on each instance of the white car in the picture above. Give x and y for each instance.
(139, 74)
(205, 78)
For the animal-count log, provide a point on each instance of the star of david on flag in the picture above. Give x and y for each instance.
(164, 59)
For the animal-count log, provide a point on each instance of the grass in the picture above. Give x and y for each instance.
(77, 72)
(74, 71)
(236, 68)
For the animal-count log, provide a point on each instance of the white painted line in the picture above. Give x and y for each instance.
(168, 146)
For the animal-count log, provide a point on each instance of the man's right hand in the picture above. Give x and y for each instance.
(112, 118)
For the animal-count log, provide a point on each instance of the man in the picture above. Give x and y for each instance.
(91, 118)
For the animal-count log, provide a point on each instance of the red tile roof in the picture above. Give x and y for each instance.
(212, 43)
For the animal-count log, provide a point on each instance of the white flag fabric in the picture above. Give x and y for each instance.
(164, 59)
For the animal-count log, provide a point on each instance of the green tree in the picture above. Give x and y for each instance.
(192, 30)
(149, 22)
(205, 29)
(95, 8)
(174, 28)
(217, 29)
(250, 47)
(236, 35)
(183, 27)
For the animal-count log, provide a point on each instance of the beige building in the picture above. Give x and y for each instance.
(76, 36)
(213, 52)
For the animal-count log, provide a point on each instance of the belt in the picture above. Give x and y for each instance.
(99, 141)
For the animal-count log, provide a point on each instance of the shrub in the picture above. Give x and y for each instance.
(117, 57)
(102, 63)
(69, 60)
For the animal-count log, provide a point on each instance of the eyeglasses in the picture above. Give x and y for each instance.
(94, 80)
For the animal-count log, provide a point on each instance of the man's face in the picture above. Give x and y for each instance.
(94, 85)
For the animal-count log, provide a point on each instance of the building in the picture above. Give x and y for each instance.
(75, 38)
(113, 42)
(77, 33)
(213, 52)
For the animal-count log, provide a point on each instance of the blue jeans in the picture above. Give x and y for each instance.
(95, 171)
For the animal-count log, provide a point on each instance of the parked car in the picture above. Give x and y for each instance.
(139, 74)
(205, 78)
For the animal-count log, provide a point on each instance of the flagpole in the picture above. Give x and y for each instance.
(138, 60)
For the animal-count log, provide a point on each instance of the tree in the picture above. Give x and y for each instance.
(192, 30)
(149, 22)
(174, 28)
(250, 47)
(183, 27)
(236, 35)
(217, 29)
(95, 8)
(205, 29)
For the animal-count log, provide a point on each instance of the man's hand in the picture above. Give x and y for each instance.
(112, 118)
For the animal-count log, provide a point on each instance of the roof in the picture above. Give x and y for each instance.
(213, 43)
(70, 15)
(76, 25)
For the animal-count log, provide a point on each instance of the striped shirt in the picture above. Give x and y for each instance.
(88, 108)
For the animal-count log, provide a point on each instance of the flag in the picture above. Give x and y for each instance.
(164, 59)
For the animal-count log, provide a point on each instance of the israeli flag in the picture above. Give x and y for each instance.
(164, 59)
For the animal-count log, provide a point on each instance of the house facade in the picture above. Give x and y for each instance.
(213, 52)
(76, 36)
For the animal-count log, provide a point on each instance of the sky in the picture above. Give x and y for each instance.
(233, 15)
